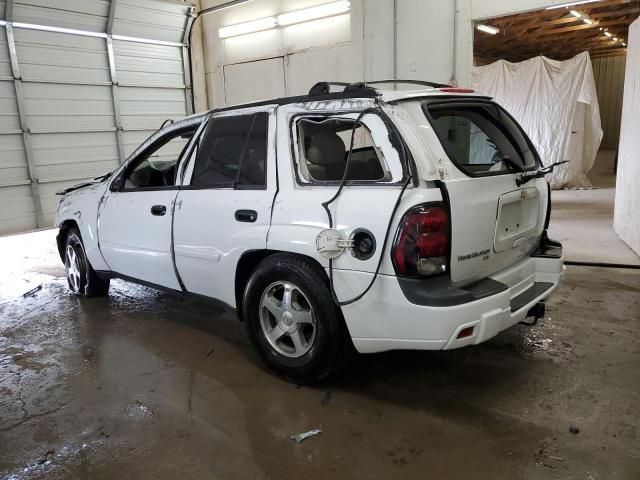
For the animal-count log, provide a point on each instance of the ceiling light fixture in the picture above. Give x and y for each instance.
(588, 21)
(575, 13)
(608, 34)
(314, 13)
(488, 29)
(624, 44)
(247, 27)
(615, 39)
(289, 18)
(570, 4)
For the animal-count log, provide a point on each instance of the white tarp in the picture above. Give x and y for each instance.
(626, 218)
(557, 105)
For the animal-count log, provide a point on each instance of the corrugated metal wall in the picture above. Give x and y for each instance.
(72, 106)
(609, 76)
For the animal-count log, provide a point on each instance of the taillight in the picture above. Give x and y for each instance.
(422, 242)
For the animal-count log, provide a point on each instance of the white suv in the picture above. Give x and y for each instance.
(366, 218)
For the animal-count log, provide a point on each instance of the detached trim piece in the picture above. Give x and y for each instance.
(548, 248)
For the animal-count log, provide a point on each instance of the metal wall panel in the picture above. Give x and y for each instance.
(88, 15)
(13, 168)
(18, 212)
(73, 156)
(77, 105)
(9, 121)
(609, 76)
(143, 64)
(62, 58)
(54, 107)
(147, 108)
(164, 21)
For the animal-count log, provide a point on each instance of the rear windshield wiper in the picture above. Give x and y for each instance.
(524, 178)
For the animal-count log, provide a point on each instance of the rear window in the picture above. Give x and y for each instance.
(481, 139)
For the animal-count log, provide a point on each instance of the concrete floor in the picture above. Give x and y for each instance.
(583, 219)
(147, 385)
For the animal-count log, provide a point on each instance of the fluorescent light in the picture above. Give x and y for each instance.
(624, 44)
(314, 13)
(608, 34)
(615, 39)
(588, 21)
(299, 16)
(247, 27)
(2, 23)
(488, 29)
(570, 4)
(575, 13)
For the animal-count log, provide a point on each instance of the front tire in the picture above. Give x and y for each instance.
(81, 277)
(292, 321)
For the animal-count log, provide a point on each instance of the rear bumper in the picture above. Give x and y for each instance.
(386, 320)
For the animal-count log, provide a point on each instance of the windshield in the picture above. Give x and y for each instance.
(481, 138)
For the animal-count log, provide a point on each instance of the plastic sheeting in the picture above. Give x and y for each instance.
(626, 218)
(557, 105)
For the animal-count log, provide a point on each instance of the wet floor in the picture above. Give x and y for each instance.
(147, 385)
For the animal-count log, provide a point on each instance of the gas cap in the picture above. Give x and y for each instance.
(364, 244)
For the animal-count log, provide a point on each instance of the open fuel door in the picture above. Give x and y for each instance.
(494, 222)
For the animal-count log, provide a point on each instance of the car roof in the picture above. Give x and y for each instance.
(362, 91)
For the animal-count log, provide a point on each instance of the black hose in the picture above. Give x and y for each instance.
(326, 204)
(382, 250)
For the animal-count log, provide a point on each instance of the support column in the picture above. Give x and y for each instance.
(186, 67)
(26, 132)
(115, 97)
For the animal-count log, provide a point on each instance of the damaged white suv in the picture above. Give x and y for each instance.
(366, 218)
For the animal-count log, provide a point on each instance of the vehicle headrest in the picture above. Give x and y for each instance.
(325, 148)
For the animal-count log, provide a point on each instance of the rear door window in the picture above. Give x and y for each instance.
(232, 153)
(481, 139)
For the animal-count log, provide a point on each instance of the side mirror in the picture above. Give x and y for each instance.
(116, 184)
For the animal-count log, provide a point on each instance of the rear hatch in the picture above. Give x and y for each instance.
(494, 222)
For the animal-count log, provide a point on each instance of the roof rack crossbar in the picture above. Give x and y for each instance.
(410, 82)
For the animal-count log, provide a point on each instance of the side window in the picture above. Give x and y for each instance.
(323, 146)
(157, 167)
(233, 152)
(479, 141)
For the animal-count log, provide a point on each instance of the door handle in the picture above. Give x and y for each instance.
(246, 216)
(158, 210)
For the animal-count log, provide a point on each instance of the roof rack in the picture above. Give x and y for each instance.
(410, 82)
(323, 88)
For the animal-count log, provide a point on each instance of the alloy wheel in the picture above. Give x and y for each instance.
(287, 319)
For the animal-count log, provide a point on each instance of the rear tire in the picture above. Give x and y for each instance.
(292, 321)
(81, 277)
